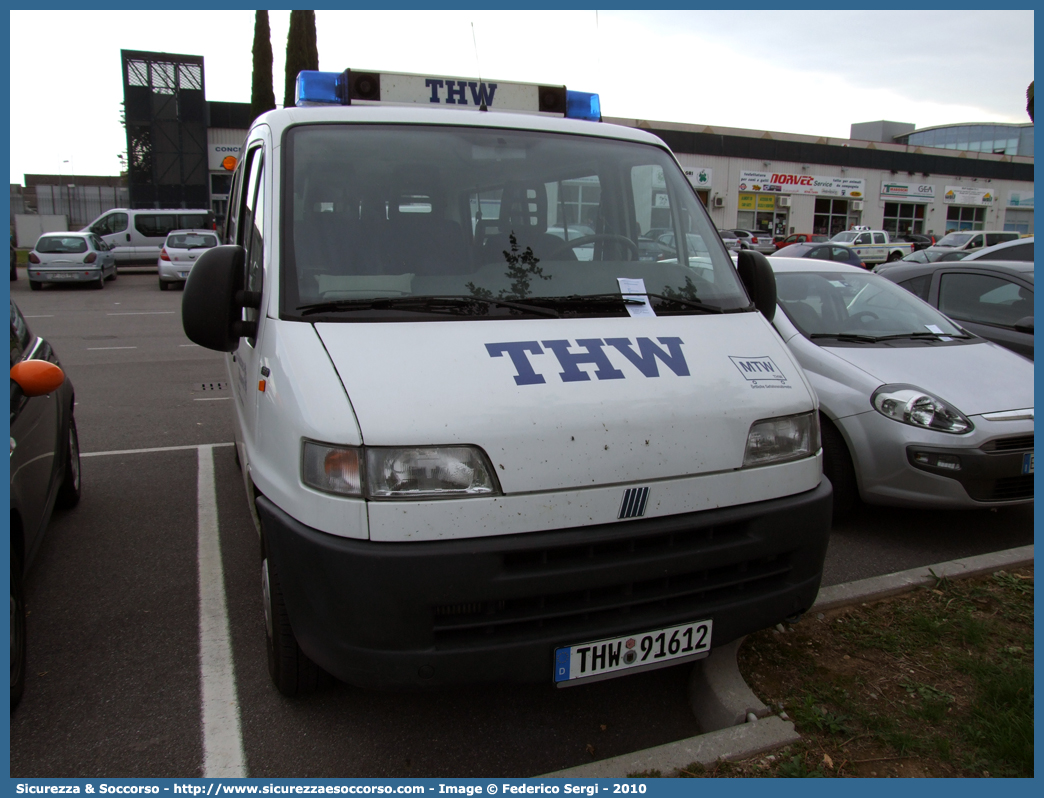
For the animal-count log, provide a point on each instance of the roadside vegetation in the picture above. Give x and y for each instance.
(935, 683)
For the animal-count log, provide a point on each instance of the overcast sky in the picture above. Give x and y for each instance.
(813, 72)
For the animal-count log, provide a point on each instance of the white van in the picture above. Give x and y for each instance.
(479, 447)
(972, 240)
(138, 234)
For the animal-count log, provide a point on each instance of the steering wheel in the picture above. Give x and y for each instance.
(869, 313)
(579, 242)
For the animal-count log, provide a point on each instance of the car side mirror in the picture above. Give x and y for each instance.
(760, 281)
(1025, 325)
(37, 377)
(212, 303)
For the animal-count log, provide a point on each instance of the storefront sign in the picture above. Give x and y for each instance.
(700, 178)
(962, 195)
(763, 202)
(746, 202)
(217, 154)
(915, 192)
(803, 184)
(1020, 199)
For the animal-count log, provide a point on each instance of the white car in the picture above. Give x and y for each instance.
(179, 254)
(915, 411)
(70, 258)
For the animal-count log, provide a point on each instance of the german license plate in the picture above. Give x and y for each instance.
(61, 276)
(603, 659)
(1027, 463)
(182, 275)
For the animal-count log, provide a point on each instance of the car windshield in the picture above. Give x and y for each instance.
(825, 305)
(58, 244)
(389, 221)
(191, 241)
(845, 237)
(954, 239)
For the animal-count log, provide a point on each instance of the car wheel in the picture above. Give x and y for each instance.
(17, 630)
(894, 257)
(113, 275)
(163, 286)
(98, 286)
(14, 272)
(69, 492)
(293, 673)
(838, 468)
(34, 286)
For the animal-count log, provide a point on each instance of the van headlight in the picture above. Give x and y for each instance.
(918, 408)
(423, 472)
(777, 440)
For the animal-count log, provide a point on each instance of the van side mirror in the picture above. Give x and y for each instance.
(760, 281)
(212, 303)
(1025, 325)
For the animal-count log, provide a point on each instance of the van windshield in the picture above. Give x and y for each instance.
(954, 239)
(383, 220)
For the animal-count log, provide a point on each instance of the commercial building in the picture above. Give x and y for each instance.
(779, 183)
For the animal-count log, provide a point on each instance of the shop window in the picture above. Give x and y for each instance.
(832, 216)
(964, 218)
(1021, 221)
(901, 218)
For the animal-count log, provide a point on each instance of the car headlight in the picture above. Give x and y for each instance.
(911, 405)
(428, 472)
(777, 440)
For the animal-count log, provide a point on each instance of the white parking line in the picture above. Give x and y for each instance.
(154, 449)
(145, 313)
(213, 399)
(222, 737)
(183, 345)
(100, 348)
(39, 317)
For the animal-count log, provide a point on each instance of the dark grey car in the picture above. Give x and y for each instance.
(993, 299)
(45, 465)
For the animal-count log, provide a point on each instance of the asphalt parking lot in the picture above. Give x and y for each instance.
(114, 686)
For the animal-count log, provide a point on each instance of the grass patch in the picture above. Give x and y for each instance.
(937, 682)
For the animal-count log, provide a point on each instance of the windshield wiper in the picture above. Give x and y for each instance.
(693, 303)
(873, 339)
(461, 305)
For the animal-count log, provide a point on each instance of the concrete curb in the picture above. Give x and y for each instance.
(722, 701)
(879, 587)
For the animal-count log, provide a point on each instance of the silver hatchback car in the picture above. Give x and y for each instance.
(180, 251)
(70, 258)
(915, 410)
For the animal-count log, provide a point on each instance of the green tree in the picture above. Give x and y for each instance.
(301, 50)
(1029, 101)
(262, 97)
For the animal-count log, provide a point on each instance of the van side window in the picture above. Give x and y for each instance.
(113, 223)
(155, 225)
(975, 243)
(194, 221)
(251, 227)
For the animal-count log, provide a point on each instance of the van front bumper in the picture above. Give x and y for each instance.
(495, 609)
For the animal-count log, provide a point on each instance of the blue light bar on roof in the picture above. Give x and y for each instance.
(319, 88)
(583, 105)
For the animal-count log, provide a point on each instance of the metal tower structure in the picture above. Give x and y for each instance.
(166, 121)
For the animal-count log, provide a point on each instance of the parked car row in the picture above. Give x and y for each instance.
(916, 409)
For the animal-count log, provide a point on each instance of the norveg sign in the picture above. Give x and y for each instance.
(803, 184)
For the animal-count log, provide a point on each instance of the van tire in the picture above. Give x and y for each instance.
(838, 468)
(293, 673)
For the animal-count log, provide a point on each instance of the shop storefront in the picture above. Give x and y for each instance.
(765, 201)
(905, 206)
(966, 207)
(1018, 216)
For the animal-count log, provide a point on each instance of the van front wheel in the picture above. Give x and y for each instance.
(292, 671)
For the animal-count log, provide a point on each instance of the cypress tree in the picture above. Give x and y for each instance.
(301, 50)
(262, 97)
